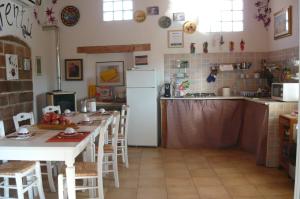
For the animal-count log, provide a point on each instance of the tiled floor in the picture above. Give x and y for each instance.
(195, 174)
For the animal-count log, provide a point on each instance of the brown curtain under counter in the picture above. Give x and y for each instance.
(216, 124)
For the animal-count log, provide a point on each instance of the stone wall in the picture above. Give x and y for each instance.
(15, 95)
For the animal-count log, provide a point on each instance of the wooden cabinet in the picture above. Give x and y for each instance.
(287, 134)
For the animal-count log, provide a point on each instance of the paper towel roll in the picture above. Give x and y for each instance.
(226, 92)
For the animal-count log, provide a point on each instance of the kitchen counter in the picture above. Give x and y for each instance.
(224, 122)
(265, 101)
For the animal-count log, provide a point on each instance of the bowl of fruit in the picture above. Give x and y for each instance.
(55, 121)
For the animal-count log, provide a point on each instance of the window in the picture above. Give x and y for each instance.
(221, 16)
(115, 10)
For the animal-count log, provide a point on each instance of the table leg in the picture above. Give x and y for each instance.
(70, 176)
(91, 158)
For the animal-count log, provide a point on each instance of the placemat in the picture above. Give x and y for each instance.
(60, 137)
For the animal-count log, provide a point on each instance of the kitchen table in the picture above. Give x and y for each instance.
(36, 148)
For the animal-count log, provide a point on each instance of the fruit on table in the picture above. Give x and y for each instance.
(55, 119)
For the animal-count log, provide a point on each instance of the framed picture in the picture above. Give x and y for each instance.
(12, 69)
(74, 69)
(283, 23)
(153, 10)
(104, 93)
(179, 16)
(175, 39)
(110, 73)
(38, 64)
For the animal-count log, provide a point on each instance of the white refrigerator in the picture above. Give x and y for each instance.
(141, 92)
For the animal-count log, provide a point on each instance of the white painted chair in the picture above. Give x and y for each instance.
(2, 132)
(122, 136)
(87, 170)
(110, 162)
(23, 117)
(50, 167)
(19, 170)
(49, 109)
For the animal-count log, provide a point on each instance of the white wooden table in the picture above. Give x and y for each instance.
(37, 149)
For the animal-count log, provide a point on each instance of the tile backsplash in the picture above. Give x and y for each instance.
(199, 69)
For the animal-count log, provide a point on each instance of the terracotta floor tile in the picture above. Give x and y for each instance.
(151, 182)
(179, 182)
(158, 173)
(275, 189)
(151, 193)
(234, 180)
(182, 192)
(206, 181)
(152, 173)
(170, 173)
(213, 192)
(243, 190)
(202, 173)
(121, 193)
(175, 165)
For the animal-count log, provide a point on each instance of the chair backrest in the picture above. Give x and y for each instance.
(125, 112)
(22, 117)
(103, 129)
(115, 130)
(49, 109)
(2, 132)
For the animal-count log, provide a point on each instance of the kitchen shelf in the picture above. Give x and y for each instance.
(287, 144)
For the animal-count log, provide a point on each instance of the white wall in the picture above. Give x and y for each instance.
(290, 41)
(39, 47)
(91, 30)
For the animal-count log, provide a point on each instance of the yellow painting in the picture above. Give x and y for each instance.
(110, 73)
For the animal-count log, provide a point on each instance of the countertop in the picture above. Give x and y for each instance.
(265, 101)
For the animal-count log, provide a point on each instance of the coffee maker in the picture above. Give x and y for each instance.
(167, 92)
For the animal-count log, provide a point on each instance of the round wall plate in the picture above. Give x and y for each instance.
(139, 16)
(189, 27)
(164, 22)
(70, 15)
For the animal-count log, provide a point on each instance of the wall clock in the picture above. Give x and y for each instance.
(70, 15)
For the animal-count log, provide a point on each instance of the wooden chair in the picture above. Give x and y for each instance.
(87, 170)
(110, 161)
(50, 167)
(122, 136)
(19, 170)
(49, 109)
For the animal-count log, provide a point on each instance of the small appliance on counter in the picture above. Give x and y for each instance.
(167, 88)
(287, 92)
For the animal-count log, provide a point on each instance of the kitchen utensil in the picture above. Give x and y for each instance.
(91, 106)
(83, 105)
(23, 131)
(69, 131)
(102, 110)
(226, 92)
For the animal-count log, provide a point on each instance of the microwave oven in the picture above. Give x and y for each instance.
(286, 92)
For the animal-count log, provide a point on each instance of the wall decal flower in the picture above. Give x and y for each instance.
(263, 12)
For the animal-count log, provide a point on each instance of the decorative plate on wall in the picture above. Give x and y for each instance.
(139, 16)
(165, 22)
(70, 15)
(189, 27)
